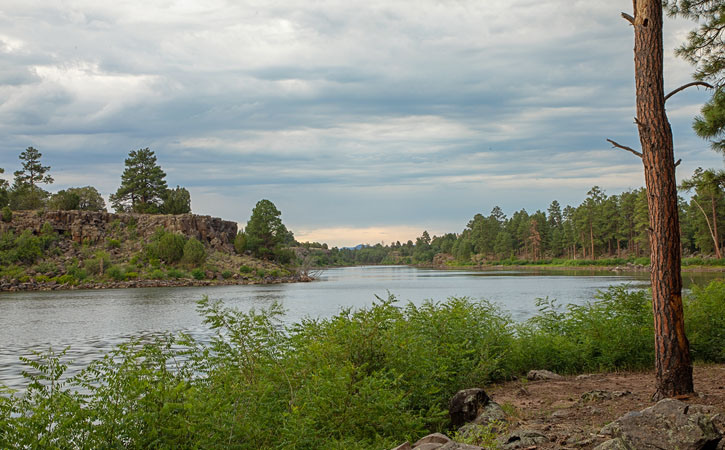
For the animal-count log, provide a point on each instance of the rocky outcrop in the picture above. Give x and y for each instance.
(92, 226)
(668, 424)
(436, 441)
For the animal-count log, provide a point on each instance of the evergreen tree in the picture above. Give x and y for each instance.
(265, 233)
(177, 201)
(25, 193)
(142, 184)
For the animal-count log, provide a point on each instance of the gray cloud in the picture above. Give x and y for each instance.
(345, 113)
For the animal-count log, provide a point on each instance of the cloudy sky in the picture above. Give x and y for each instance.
(361, 120)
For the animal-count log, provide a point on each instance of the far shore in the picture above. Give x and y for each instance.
(15, 286)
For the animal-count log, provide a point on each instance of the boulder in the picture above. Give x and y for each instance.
(668, 424)
(540, 375)
(523, 439)
(466, 405)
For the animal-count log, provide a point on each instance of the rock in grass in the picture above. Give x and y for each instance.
(668, 424)
(540, 375)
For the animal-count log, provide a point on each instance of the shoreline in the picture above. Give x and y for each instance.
(31, 286)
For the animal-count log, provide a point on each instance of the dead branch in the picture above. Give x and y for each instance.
(628, 18)
(624, 147)
(685, 86)
(678, 162)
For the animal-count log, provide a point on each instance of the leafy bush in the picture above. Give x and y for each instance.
(169, 247)
(194, 252)
(176, 273)
(113, 243)
(98, 264)
(705, 322)
(261, 273)
(7, 214)
(157, 274)
(245, 269)
(130, 276)
(28, 248)
(227, 274)
(115, 273)
(66, 279)
(198, 274)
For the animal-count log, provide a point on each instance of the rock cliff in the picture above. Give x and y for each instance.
(94, 226)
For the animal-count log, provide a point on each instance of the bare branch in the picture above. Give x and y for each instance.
(624, 147)
(628, 18)
(683, 87)
(678, 162)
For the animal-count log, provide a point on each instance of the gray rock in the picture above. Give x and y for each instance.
(435, 438)
(466, 405)
(490, 413)
(523, 439)
(614, 444)
(405, 446)
(539, 375)
(668, 424)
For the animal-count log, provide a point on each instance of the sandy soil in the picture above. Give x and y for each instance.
(561, 410)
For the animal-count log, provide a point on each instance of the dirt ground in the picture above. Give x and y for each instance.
(571, 418)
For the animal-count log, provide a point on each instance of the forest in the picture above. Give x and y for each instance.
(605, 228)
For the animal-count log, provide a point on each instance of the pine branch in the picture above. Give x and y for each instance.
(624, 147)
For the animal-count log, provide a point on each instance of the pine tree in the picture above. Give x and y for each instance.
(142, 184)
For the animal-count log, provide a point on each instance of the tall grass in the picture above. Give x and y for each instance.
(369, 378)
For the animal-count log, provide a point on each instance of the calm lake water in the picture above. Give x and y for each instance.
(93, 322)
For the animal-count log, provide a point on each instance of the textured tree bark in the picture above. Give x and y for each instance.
(672, 351)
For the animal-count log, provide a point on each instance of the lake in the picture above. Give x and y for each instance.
(94, 321)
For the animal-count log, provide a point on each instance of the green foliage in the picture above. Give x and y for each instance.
(227, 274)
(240, 243)
(113, 243)
(32, 172)
(198, 274)
(157, 274)
(614, 332)
(130, 276)
(115, 273)
(169, 247)
(142, 184)
(245, 269)
(7, 214)
(176, 273)
(705, 322)
(176, 201)
(261, 273)
(194, 252)
(265, 231)
(28, 248)
(83, 198)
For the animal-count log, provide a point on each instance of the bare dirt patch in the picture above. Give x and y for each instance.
(572, 411)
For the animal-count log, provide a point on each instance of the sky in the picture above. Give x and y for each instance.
(363, 121)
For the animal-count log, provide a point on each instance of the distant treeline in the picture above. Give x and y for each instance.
(601, 227)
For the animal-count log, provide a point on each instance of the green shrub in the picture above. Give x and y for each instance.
(130, 275)
(227, 274)
(705, 322)
(245, 269)
(113, 243)
(157, 274)
(176, 273)
(42, 278)
(28, 248)
(194, 252)
(7, 214)
(168, 247)
(198, 274)
(46, 267)
(261, 273)
(240, 243)
(66, 279)
(274, 273)
(115, 273)
(98, 264)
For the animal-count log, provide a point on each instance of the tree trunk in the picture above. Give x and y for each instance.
(591, 237)
(672, 353)
(716, 236)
